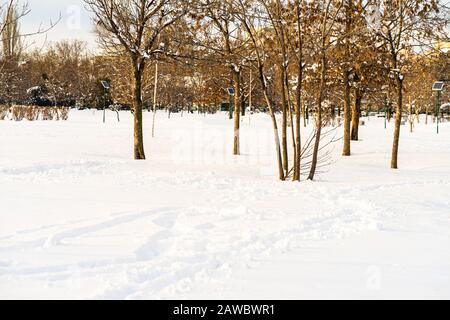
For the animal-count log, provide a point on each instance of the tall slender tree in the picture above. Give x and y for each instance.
(403, 26)
(328, 12)
(224, 44)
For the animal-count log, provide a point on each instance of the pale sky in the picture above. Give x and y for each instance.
(75, 21)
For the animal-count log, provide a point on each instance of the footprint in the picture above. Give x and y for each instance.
(155, 246)
(167, 220)
(4, 264)
(205, 226)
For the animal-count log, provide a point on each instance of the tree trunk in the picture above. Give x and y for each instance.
(291, 112)
(274, 122)
(277, 139)
(231, 101)
(298, 116)
(298, 104)
(237, 118)
(139, 153)
(305, 114)
(284, 122)
(356, 114)
(398, 123)
(263, 81)
(346, 75)
(319, 119)
(347, 115)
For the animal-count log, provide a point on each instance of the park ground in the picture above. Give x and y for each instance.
(80, 219)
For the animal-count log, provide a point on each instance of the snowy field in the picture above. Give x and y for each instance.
(79, 219)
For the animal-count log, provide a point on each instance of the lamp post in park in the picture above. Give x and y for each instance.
(230, 92)
(438, 87)
(106, 86)
(386, 104)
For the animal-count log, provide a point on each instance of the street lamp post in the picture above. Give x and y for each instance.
(438, 109)
(438, 87)
(106, 85)
(231, 93)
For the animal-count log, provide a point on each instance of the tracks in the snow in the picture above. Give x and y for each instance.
(186, 244)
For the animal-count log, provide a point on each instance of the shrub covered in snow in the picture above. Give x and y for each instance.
(33, 113)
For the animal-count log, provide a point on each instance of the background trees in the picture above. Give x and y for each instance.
(11, 50)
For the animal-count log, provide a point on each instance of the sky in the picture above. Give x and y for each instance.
(75, 22)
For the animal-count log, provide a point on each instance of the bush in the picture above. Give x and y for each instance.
(18, 113)
(47, 114)
(4, 111)
(30, 113)
(63, 113)
(34, 113)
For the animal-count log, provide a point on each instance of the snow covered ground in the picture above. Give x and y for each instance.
(79, 219)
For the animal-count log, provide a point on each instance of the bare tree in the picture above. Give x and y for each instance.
(11, 41)
(222, 43)
(247, 13)
(403, 26)
(349, 8)
(277, 15)
(329, 10)
(133, 27)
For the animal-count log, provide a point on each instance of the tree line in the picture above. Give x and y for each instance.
(293, 59)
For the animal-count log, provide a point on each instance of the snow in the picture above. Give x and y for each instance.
(79, 219)
(30, 90)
